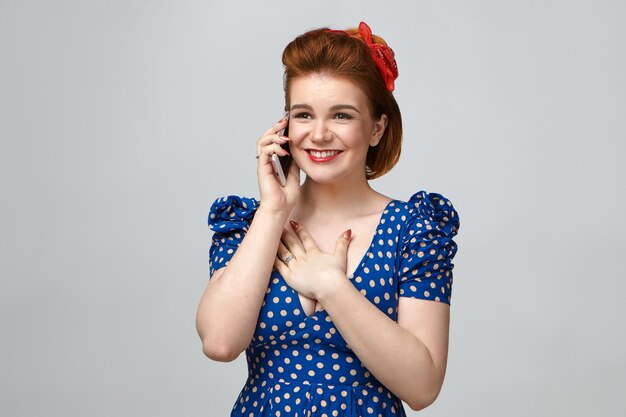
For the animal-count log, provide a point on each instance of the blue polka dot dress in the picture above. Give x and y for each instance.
(300, 365)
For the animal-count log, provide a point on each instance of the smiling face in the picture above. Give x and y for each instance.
(331, 128)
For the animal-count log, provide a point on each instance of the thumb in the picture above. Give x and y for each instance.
(342, 243)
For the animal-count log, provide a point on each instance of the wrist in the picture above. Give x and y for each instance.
(334, 286)
(271, 213)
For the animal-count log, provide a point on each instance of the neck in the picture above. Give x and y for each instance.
(342, 199)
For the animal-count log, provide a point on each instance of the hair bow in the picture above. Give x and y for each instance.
(383, 57)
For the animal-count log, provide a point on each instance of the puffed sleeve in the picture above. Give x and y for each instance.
(427, 248)
(229, 219)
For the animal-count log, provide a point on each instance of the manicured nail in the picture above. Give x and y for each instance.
(293, 224)
(347, 234)
(285, 138)
(285, 115)
(287, 152)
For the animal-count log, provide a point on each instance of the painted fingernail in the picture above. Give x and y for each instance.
(285, 115)
(293, 224)
(347, 234)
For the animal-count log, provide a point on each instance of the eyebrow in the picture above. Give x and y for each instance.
(335, 107)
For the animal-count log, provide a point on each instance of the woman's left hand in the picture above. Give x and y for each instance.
(304, 267)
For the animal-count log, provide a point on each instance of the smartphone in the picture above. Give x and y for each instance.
(282, 164)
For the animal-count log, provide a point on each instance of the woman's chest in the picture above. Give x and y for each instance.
(285, 314)
(357, 250)
(363, 232)
(373, 265)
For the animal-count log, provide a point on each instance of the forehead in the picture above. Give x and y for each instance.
(322, 89)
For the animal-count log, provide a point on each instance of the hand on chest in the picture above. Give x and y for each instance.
(325, 236)
(371, 261)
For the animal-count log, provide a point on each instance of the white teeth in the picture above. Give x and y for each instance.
(323, 154)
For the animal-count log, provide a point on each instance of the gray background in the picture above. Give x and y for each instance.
(121, 122)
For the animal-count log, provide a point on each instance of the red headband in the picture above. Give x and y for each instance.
(382, 54)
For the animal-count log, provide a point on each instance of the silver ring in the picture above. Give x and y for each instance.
(287, 259)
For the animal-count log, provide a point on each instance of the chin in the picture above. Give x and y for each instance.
(325, 177)
(321, 179)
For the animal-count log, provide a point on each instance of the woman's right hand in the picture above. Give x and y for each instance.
(275, 197)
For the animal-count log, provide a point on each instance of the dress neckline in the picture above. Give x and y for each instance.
(372, 240)
(361, 263)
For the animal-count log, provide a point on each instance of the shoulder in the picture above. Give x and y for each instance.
(232, 212)
(430, 212)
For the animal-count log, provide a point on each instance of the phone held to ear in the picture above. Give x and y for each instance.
(282, 164)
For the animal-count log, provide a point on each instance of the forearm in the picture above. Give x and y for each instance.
(395, 356)
(230, 305)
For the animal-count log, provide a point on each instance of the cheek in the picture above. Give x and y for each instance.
(354, 137)
(296, 134)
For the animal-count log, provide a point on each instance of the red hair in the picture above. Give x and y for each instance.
(321, 51)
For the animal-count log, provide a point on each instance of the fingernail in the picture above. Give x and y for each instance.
(287, 152)
(284, 138)
(347, 234)
(293, 224)
(285, 115)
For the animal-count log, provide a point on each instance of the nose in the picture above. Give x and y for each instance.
(320, 132)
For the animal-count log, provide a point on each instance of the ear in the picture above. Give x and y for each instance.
(379, 129)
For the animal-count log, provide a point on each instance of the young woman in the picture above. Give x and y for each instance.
(339, 295)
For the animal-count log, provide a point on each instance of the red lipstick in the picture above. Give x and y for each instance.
(327, 158)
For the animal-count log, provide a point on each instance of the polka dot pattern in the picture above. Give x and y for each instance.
(425, 266)
(229, 218)
(300, 365)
